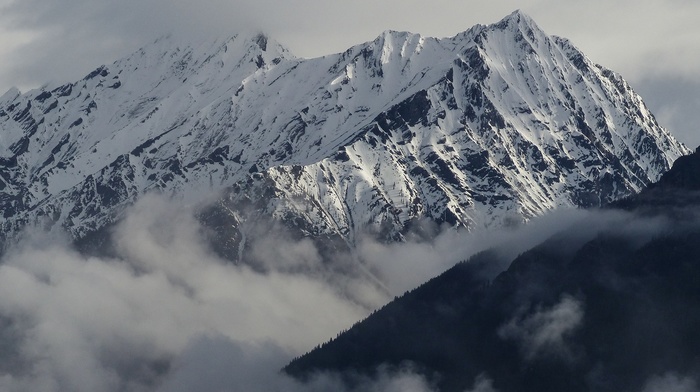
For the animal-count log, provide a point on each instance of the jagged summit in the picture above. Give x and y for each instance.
(517, 18)
(11, 94)
(409, 43)
(496, 124)
(170, 49)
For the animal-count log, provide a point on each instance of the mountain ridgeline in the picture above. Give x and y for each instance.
(495, 125)
(612, 304)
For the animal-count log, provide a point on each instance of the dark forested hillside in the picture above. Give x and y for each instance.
(608, 305)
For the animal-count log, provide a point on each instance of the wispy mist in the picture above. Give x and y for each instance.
(165, 313)
(84, 323)
(166, 310)
(671, 382)
(545, 331)
(404, 266)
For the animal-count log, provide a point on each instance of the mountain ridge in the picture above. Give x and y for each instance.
(499, 123)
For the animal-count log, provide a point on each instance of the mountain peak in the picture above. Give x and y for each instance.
(518, 20)
(10, 94)
(245, 41)
(261, 40)
(395, 33)
(519, 17)
(392, 37)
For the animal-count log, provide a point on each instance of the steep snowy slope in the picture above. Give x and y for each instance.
(512, 123)
(78, 152)
(498, 123)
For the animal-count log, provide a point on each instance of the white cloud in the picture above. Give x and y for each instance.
(671, 382)
(86, 324)
(404, 266)
(482, 384)
(544, 332)
(220, 364)
(166, 310)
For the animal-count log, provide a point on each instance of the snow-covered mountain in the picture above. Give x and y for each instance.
(497, 124)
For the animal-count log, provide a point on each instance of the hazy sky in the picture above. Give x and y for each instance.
(654, 44)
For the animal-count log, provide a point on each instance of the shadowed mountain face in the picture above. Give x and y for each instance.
(613, 304)
(497, 124)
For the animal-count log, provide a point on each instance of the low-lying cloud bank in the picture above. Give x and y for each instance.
(167, 314)
(404, 266)
(77, 323)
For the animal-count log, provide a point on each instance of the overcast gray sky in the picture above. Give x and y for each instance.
(654, 44)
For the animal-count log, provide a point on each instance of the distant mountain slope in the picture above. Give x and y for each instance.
(613, 304)
(497, 124)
